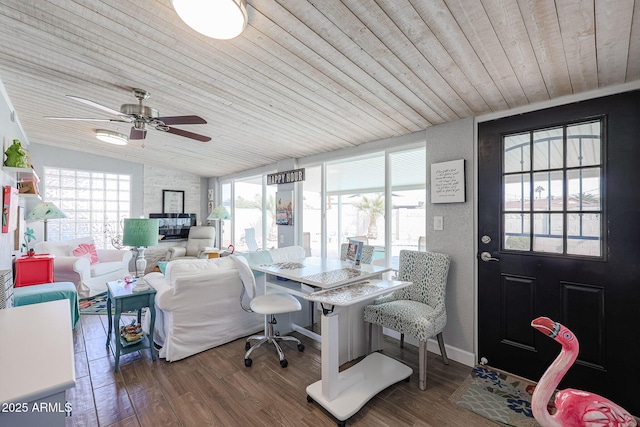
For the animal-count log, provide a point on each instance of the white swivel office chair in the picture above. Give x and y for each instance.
(269, 305)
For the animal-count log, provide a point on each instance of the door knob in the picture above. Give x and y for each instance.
(486, 257)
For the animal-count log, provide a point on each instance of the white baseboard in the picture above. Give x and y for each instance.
(453, 353)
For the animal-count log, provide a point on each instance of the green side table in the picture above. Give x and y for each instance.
(121, 294)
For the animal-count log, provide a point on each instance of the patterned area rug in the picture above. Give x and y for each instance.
(500, 397)
(97, 304)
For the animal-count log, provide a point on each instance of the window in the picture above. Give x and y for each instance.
(95, 203)
(252, 205)
(226, 202)
(312, 211)
(552, 188)
(408, 194)
(378, 197)
(355, 201)
(248, 213)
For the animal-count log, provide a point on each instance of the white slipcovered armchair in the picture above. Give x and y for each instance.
(89, 277)
(201, 238)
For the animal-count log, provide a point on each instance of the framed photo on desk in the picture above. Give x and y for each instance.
(172, 201)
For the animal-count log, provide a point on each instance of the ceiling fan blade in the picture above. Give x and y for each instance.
(95, 105)
(188, 134)
(182, 120)
(87, 120)
(138, 133)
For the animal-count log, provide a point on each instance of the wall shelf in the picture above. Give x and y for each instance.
(30, 196)
(22, 174)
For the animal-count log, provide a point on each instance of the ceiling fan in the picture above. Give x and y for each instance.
(141, 116)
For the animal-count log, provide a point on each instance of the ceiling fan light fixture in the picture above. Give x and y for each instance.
(111, 137)
(218, 19)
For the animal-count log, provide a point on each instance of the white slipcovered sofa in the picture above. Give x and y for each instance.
(89, 277)
(198, 302)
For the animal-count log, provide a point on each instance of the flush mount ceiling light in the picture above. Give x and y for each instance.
(219, 19)
(111, 137)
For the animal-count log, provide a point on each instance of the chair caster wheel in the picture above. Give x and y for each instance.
(342, 423)
(300, 347)
(284, 363)
(248, 362)
(309, 399)
(247, 346)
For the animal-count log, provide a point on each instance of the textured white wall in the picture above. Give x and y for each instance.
(158, 179)
(453, 141)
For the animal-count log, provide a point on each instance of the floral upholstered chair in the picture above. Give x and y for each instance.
(419, 309)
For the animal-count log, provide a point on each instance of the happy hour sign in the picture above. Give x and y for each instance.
(447, 182)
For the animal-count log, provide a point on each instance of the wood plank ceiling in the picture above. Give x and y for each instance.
(306, 76)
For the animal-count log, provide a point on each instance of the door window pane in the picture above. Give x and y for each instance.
(517, 153)
(583, 144)
(517, 190)
(548, 149)
(583, 234)
(517, 232)
(548, 233)
(548, 190)
(584, 189)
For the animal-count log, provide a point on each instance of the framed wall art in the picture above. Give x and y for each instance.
(447, 182)
(172, 201)
(284, 208)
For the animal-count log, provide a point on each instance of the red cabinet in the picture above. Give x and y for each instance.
(33, 270)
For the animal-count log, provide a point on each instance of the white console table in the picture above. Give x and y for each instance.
(38, 364)
(344, 393)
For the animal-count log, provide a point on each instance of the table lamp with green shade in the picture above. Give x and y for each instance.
(43, 212)
(220, 213)
(140, 233)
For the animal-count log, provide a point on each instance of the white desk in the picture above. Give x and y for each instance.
(322, 272)
(38, 364)
(310, 274)
(344, 393)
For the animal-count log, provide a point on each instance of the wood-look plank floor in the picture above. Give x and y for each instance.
(214, 388)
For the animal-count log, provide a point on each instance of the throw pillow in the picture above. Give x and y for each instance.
(87, 250)
(162, 265)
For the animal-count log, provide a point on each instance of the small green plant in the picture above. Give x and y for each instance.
(29, 235)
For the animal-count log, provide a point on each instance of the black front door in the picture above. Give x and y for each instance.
(559, 225)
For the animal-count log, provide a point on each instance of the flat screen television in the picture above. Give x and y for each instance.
(174, 226)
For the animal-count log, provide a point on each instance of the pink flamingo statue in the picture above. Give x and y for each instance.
(575, 408)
